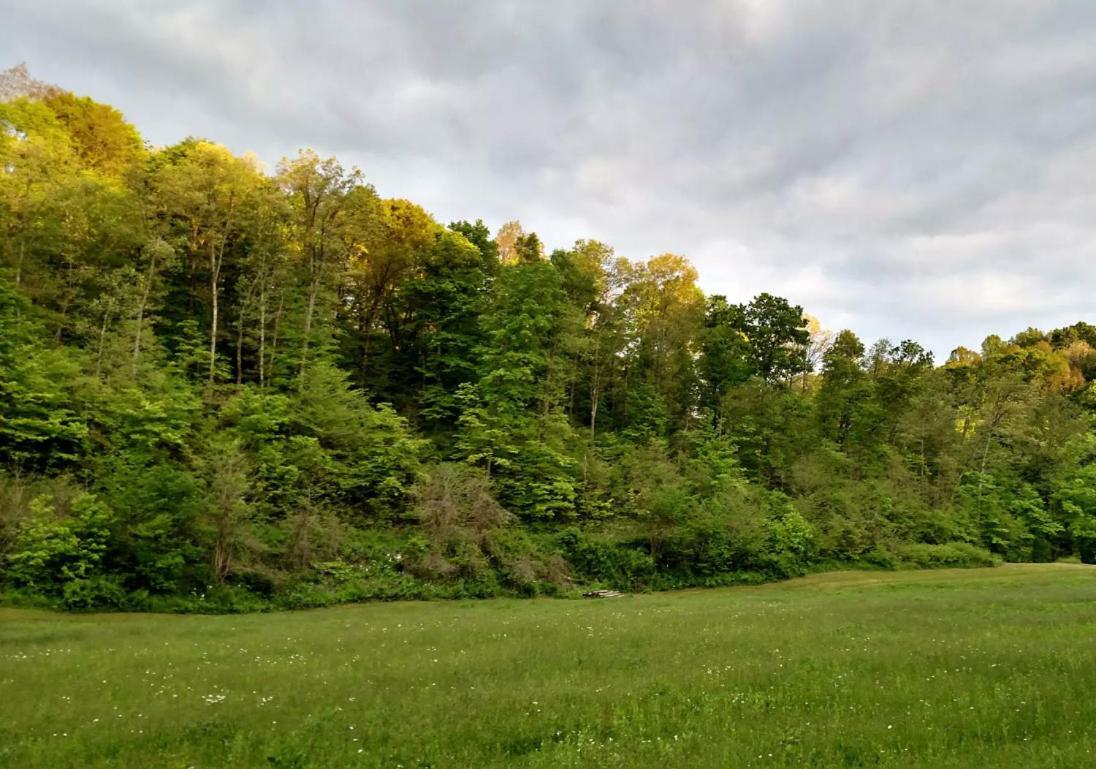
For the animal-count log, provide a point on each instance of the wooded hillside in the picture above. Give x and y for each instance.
(224, 388)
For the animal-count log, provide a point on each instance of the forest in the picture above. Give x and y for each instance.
(224, 388)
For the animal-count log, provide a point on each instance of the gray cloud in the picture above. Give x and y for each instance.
(904, 168)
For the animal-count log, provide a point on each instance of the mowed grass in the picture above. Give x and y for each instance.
(980, 668)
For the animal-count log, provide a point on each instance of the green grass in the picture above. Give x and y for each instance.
(974, 668)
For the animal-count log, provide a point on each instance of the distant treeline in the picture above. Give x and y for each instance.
(227, 389)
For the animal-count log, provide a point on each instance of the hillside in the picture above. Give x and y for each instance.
(224, 388)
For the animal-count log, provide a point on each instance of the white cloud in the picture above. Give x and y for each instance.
(907, 169)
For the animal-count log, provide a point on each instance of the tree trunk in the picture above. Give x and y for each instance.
(595, 386)
(367, 335)
(222, 551)
(262, 331)
(141, 312)
(240, 351)
(216, 259)
(19, 262)
(313, 290)
(214, 283)
(274, 331)
(245, 305)
(102, 339)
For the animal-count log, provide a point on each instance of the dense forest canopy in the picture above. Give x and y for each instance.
(227, 388)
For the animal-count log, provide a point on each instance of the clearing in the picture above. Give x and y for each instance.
(963, 668)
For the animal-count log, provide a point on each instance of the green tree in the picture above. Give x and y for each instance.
(208, 194)
(724, 351)
(778, 336)
(511, 424)
(40, 428)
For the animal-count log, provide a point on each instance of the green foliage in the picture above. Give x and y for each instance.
(156, 547)
(947, 555)
(52, 549)
(372, 456)
(605, 562)
(1075, 495)
(510, 423)
(39, 428)
(725, 351)
(223, 390)
(778, 334)
(101, 138)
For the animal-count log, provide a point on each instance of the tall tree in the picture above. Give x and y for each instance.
(844, 387)
(778, 337)
(665, 310)
(725, 359)
(208, 193)
(324, 197)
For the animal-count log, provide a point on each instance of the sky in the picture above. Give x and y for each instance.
(919, 170)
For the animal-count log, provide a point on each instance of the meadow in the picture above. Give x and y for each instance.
(957, 668)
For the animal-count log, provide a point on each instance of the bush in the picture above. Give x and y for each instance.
(459, 517)
(607, 562)
(1087, 548)
(1042, 551)
(880, 558)
(52, 548)
(529, 566)
(95, 593)
(792, 540)
(948, 555)
(711, 546)
(227, 599)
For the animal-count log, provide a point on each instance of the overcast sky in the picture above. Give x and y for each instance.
(919, 170)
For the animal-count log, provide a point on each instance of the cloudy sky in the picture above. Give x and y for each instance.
(919, 170)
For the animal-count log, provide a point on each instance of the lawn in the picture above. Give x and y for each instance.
(977, 668)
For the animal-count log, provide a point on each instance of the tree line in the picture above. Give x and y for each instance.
(227, 388)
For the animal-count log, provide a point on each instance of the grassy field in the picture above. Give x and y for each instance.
(981, 668)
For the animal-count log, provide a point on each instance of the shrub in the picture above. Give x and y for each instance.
(457, 514)
(528, 565)
(880, 558)
(791, 538)
(950, 554)
(1042, 551)
(51, 548)
(97, 592)
(605, 561)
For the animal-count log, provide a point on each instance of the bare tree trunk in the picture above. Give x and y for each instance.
(229, 485)
(313, 290)
(214, 285)
(240, 351)
(216, 259)
(245, 305)
(262, 331)
(277, 326)
(19, 262)
(62, 320)
(627, 373)
(102, 339)
(367, 334)
(982, 469)
(595, 386)
(222, 551)
(141, 312)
